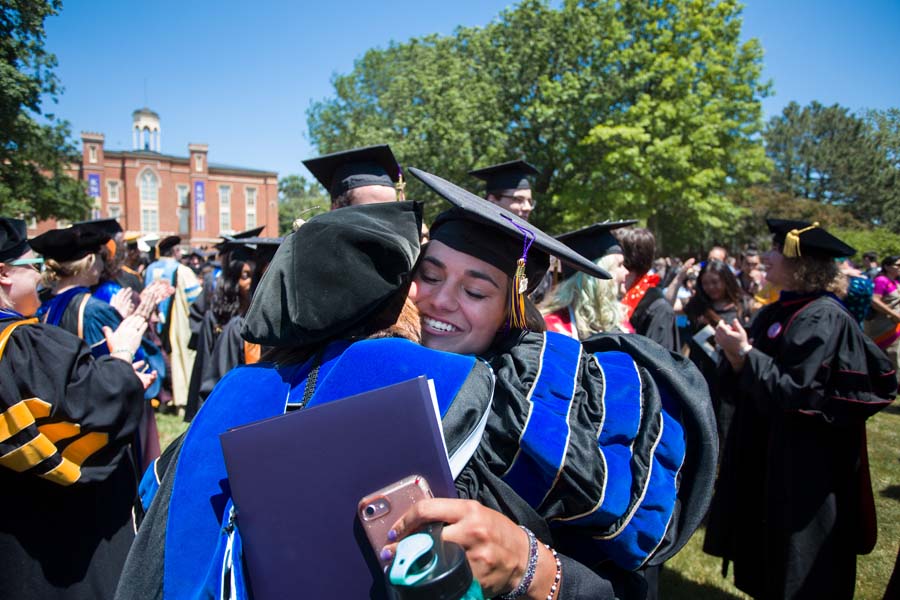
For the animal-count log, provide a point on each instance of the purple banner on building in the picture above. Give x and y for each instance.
(200, 205)
(94, 185)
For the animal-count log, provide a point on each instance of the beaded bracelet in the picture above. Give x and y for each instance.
(556, 579)
(521, 589)
(123, 352)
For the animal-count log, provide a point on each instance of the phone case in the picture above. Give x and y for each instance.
(379, 510)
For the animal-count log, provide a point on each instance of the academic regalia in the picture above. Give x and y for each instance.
(64, 531)
(654, 317)
(792, 503)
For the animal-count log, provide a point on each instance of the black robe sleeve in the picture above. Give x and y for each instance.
(824, 365)
(83, 412)
(654, 318)
(227, 353)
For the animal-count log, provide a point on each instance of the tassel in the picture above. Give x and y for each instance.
(517, 290)
(400, 186)
(792, 241)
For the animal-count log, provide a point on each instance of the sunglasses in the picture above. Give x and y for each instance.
(35, 263)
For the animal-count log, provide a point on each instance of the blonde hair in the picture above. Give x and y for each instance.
(56, 270)
(594, 302)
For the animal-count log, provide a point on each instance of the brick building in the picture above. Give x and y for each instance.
(161, 194)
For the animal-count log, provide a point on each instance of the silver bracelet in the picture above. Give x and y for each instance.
(124, 351)
(521, 589)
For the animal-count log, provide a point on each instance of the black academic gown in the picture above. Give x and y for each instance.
(793, 501)
(654, 318)
(66, 521)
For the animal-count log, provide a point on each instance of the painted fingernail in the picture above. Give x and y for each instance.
(385, 554)
(392, 535)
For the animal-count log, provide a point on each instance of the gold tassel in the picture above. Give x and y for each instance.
(400, 186)
(792, 241)
(517, 297)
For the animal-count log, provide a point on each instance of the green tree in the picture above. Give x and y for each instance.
(34, 146)
(628, 109)
(298, 198)
(828, 154)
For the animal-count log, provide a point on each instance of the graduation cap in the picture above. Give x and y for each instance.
(13, 239)
(260, 249)
(343, 171)
(167, 243)
(802, 238)
(220, 246)
(336, 273)
(498, 237)
(72, 243)
(110, 226)
(594, 241)
(511, 175)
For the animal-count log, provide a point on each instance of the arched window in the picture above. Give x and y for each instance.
(148, 136)
(149, 184)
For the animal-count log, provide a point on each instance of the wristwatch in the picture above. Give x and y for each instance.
(745, 350)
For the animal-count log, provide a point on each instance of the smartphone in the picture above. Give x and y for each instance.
(379, 510)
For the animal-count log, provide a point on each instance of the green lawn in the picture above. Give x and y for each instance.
(693, 574)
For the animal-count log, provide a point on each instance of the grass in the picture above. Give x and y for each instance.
(693, 574)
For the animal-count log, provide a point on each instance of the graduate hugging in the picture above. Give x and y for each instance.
(577, 465)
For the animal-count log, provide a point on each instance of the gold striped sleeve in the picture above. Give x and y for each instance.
(65, 473)
(60, 431)
(82, 448)
(14, 419)
(29, 454)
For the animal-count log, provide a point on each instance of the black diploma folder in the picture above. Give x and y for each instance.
(296, 480)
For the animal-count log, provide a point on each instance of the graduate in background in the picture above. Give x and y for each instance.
(793, 503)
(220, 348)
(174, 328)
(67, 420)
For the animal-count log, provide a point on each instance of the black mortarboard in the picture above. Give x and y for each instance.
(72, 243)
(343, 171)
(489, 220)
(594, 241)
(802, 238)
(13, 239)
(110, 226)
(237, 236)
(332, 275)
(261, 249)
(511, 175)
(168, 242)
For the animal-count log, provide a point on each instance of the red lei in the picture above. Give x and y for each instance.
(636, 293)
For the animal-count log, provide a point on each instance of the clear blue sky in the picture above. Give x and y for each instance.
(240, 76)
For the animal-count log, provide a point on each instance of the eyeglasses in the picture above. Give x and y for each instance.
(35, 263)
(518, 199)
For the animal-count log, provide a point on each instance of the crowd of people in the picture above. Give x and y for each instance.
(626, 398)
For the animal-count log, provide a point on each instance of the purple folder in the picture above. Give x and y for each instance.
(296, 480)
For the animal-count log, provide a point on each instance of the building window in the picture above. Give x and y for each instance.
(184, 211)
(224, 208)
(32, 223)
(149, 184)
(92, 153)
(112, 190)
(114, 212)
(198, 163)
(250, 204)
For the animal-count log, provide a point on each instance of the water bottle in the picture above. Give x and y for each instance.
(427, 568)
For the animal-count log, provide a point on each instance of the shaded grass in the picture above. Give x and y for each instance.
(692, 574)
(170, 427)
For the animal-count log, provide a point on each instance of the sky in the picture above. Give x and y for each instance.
(240, 76)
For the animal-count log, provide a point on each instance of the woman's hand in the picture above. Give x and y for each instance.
(147, 378)
(732, 339)
(122, 302)
(496, 548)
(125, 340)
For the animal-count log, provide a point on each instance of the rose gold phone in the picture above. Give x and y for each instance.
(380, 510)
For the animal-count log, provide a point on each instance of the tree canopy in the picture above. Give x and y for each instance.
(34, 151)
(832, 156)
(298, 198)
(645, 110)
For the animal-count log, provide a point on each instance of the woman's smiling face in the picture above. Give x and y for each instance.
(461, 299)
